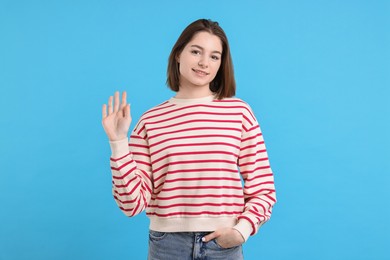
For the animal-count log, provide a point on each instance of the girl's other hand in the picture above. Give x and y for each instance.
(225, 237)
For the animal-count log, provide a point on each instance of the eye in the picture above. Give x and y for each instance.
(214, 57)
(195, 52)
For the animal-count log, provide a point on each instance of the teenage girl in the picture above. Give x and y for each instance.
(197, 163)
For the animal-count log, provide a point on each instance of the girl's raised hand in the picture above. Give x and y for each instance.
(116, 119)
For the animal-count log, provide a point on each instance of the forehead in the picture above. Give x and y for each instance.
(207, 41)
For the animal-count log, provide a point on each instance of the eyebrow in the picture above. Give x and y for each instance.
(197, 46)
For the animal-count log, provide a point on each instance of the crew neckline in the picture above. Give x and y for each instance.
(175, 100)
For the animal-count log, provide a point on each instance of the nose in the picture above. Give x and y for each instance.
(203, 63)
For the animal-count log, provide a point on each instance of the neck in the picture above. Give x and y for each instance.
(191, 93)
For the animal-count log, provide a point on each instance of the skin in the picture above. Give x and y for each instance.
(199, 63)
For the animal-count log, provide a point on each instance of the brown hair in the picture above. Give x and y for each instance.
(224, 84)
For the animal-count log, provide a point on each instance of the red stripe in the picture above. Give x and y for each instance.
(125, 175)
(203, 187)
(193, 153)
(258, 219)
(252, 137)
(254, 128)
(259, 192)
(260, 205)
(122, 166)
(136, 137)
(141, 154)
(192, 161)
(195, 128)
(204, 178)
(142, 128)
(191, 137)
(124, 201)
(142, 162)
(267, 202)
(130, 192)
(197, 179)
(269, 197)
(146, 175)
(126, 184)
(158, 107)
(142, 194)
(196, 144)
(126, 210)
(120, 158)
(259, 184)
(138, 145)
(258, 168)
(252, 154)
(193, 121)
(197, 205)
(255, 162)
(259, 176)
(199, 196)
(257, 214)
(194, 170)
(136, 208)
(247, 119)
(251, 146)
(194, 213)
(149, 190)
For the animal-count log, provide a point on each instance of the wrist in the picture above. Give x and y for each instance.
(119, 147)
(115, 137)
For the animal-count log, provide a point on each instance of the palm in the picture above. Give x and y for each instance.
(116, 121)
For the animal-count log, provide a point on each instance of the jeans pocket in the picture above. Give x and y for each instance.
(156, 235)
(215, 241)
(218, 245)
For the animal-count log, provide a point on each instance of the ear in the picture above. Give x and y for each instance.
(178, 58)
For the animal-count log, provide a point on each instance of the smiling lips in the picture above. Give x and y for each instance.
(200, 72)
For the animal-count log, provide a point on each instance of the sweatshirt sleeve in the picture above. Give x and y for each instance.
(259, 189)
(131, 173)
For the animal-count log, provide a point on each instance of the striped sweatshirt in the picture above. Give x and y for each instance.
(195, 165)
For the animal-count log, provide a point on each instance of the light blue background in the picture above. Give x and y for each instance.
(316, 74)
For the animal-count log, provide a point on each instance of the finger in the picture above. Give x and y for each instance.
(104, 111)
(210, 236)
(124, 97)
(110, 105)
(116, 101)
(127, 110)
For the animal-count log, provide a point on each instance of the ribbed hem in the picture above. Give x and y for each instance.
(174, 100)
(245, 228)
(207, 224)
(119, 148)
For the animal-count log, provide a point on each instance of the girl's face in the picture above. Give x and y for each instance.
(200, 60)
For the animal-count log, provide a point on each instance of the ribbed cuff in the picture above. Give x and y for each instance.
(244, 227)
(119, 148)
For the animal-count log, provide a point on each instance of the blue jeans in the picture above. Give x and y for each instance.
(188, 246)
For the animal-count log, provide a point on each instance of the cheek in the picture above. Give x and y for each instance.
(216, 68)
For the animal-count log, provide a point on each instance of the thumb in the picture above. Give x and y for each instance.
(210, 236)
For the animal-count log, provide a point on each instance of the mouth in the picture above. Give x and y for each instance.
(200, 72)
